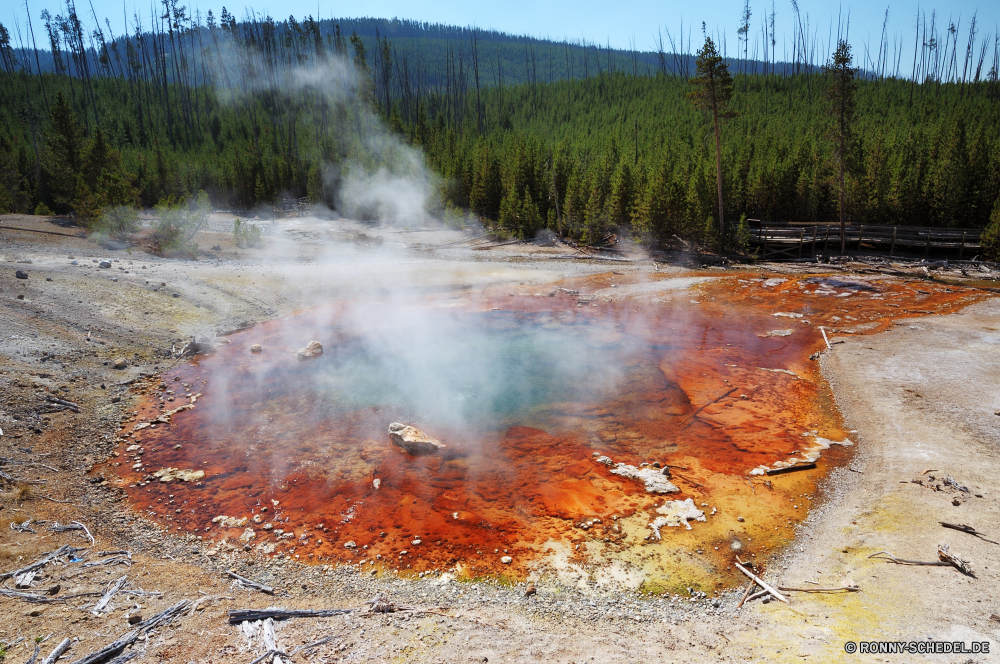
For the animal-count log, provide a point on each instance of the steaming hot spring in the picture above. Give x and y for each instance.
(609, 430)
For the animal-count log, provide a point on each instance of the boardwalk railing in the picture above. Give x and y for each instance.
(807, 240)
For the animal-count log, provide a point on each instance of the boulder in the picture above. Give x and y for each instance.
(312, 349)
(105, 264)
(20, 274)
(255, 349)
(413, 440)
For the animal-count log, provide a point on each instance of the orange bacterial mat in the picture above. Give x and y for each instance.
(538, 394)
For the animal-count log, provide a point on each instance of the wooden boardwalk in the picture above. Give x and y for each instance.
(805, 240)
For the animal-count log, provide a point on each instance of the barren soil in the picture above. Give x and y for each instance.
(923, 398)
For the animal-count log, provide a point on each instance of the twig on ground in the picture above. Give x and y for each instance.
(89, 536)
(761, 583)
(746, 593)
(251, 584)
(967, 529)
(207, 598)
(38, 649)
(64, 502)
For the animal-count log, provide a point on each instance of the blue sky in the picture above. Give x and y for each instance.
(620, 24)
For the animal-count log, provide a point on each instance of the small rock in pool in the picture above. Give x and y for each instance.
(350, 545)
(413, 440)
(506, 560)
(312, 349)
(256, 348)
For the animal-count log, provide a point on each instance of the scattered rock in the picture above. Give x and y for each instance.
(169, 474)
(740, 519)
(413, 440)
(105, 264)
(312, 349)
(134, 618)
(175, 295)
(776, 333)
(350, 544)
(120, 363)
(256, 349)
(506, 560)
(230, 521)
(20, 274)
(530, 590)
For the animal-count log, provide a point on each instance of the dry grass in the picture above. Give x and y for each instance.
(19, 494)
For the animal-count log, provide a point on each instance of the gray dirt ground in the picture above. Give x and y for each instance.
(922, 397)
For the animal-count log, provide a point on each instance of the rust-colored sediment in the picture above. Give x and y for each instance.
(700, 394)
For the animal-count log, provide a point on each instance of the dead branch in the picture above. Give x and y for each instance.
(38, 649)
(251, 584)
(89, 536)
(116, 647)
(716, 400)
(57, 652)
(237, 616)
(62, 402)
(760, 582)
(270, 653)
(902, 561)
(953, 560)
(746, 594)
(42, 599)
(967, 529)
(109, 594)
(41, 562)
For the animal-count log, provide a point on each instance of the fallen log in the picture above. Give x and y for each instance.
(850, 589)
(790, 469)
(237, 616)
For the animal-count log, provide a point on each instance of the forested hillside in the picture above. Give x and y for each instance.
(250, 116)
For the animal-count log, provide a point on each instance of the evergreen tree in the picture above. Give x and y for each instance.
(64, 154)
(840, 97)
(713, 92)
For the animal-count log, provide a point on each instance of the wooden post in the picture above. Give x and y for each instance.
(961, 250)
(802, 240)
(826, 242)
(814, 242)
(861, 231)
(927, 247)
(892, 249)
(763, 233)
